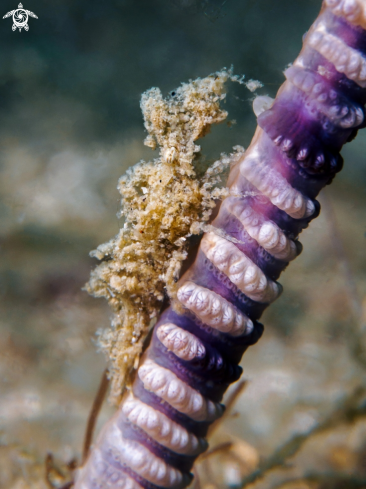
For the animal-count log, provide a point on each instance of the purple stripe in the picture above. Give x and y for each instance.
(198, 428)
(269, 265)
(181, 462)
(231, 348)
(352, 35)
(205, 274)
(210, 382)
(295, 172)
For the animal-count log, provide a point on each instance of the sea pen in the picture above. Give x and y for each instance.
(160, 426)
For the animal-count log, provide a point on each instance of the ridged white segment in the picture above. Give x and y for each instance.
(182, 343)
(354, 11)
(266, 233)
(139, 459)
(239, 268)
(344, 58)
(343, 115)
(305, 81)
(166, 385)
(259, 172)
(161, 428)
(214, 310)
(104, 475)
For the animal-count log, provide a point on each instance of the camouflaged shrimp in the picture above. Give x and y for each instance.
(159, 429)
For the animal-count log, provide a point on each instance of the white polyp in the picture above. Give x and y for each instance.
(166, 385)
(138, 458)
(160, 427)
(214, 310)
(266, 233)
(354, 11)
(261, 103)
(182, 343)
(241, 271)
(344, 58)
(259, 172)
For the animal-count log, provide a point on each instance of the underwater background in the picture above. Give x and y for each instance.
(70, 125)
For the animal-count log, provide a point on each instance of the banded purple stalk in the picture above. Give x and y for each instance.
(160, 427)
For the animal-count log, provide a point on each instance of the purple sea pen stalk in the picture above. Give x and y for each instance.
(160, 426)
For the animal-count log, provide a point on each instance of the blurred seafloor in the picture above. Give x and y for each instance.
(70, 125)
